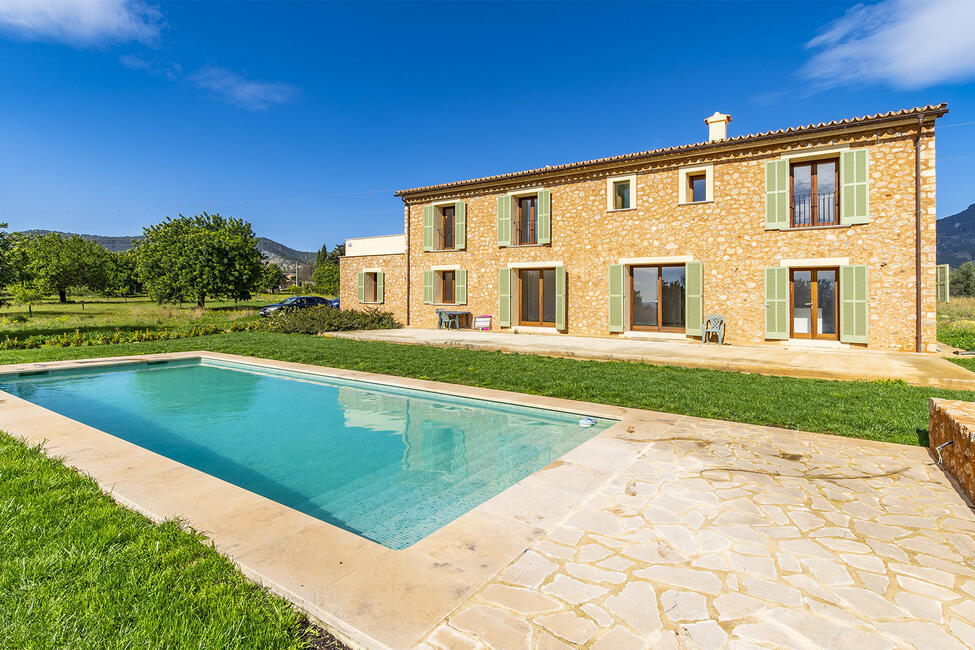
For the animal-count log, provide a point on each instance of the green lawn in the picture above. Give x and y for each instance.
(890, 410)
(79, 571)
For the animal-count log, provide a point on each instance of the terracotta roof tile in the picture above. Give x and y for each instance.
(937, 109)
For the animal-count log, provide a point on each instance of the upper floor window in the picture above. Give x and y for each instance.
(621, 195)
(446, 238)
(527, 220)
(697, 188)
(814, 199)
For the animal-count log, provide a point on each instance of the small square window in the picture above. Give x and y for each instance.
(697, 187)
(621, 195)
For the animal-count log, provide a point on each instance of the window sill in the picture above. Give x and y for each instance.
(695, 202)
(444, 250)
(621, 209)
(448, 304)
(801, 228)
(524, 245)
(370, 303)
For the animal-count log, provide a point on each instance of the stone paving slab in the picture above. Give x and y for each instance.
(728, 535)
(792, 359)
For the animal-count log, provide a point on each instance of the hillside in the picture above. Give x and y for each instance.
(956, 237)
(274, 251)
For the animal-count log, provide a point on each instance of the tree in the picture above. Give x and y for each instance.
(7, 270)
(123, 274)
(199, 257)
(27, 293)
(326, 273)
(60, 262)
(962, 280)
(272, 277)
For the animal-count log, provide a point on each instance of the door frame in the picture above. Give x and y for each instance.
(814, 295)
(660, 292)
(541, 298)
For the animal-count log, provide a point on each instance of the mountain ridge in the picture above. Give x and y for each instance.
(956, 237)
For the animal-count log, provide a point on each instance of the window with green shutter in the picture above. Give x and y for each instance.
(504, 220)
(776, 195)
(944, 283)
(460, 225)
(560, 305)
(428, 287)
(460, 287)
(854, 299)
(693, 298)
(504, 297)
(380, 286)
(616, 289)
(776, 302)
(428, 228)
(854, 180)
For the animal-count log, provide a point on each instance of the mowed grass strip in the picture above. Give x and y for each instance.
(890, 411)
(79, 571)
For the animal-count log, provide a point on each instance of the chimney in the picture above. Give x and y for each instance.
(717, 126)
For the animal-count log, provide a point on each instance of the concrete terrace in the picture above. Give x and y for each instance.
(797, 360)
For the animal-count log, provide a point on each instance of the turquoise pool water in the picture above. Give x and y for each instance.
(390, 464)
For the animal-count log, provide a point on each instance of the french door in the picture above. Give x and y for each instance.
(657, 296)
(814, 305)
(537, 297)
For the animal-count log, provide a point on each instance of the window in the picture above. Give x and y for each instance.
(695, 184)
(657, 298)
(537, 297)
(697, 188)
(813, 197)
(446, 238)
(527, 220)
(814, 304)
(447, 285)
(370, 284)
(621, 195)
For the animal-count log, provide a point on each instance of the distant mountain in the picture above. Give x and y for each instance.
(956, 237)
(274, 251)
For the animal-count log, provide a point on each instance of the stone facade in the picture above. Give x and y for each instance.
(954, 421)
(394, 270)
(726, 234)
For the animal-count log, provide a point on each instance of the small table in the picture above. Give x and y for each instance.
(453, 319)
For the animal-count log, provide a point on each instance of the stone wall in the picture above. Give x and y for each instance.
(954, 420)
(727, 234)
(394, 281)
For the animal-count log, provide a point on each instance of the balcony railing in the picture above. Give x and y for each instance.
(814, 210)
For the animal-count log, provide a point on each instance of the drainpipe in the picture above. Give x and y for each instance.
(409, 281)
(917, 231)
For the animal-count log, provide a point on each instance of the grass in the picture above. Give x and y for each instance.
(956, 327)
(891, 411)
(79, 571)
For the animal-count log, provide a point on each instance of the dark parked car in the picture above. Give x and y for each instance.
(296, 302)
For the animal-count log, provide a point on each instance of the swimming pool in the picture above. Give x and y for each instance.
(390, 464)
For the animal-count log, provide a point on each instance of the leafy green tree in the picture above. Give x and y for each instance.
(962, 280)
(272, 277)
(326, 278)
(28, 293)
(60, 262)
(7, 270)
(199, 257)
(123, 274)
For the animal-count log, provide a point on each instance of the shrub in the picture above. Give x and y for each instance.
(79, 338)
(317, 320)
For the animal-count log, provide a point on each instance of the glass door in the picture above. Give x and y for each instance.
(657, 298)
(814, 303)
(537, 297)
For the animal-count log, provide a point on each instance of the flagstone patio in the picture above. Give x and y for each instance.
(728, 535)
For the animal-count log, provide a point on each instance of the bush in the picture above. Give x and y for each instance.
(317, 320)
(80, 339)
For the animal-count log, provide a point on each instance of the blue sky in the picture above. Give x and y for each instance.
(304, 117)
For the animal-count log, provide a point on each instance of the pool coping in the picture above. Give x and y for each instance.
(365, 593)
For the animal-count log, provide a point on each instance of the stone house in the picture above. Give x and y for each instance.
(819, 235)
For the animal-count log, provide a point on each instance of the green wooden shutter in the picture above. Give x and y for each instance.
(560, 298)
(776, 195)
(380, 282)
(944, 295)
(854, 201)
(616, 284)
(504, 220)
(428, 287)
(428, 227)
(504, 297)
(693, 298)
(853, 304)
(361, 279)
(460, 286)
(776, 302)
(460, 225)
(544, 217)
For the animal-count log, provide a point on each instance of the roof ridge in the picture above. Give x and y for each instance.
(941, 108)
